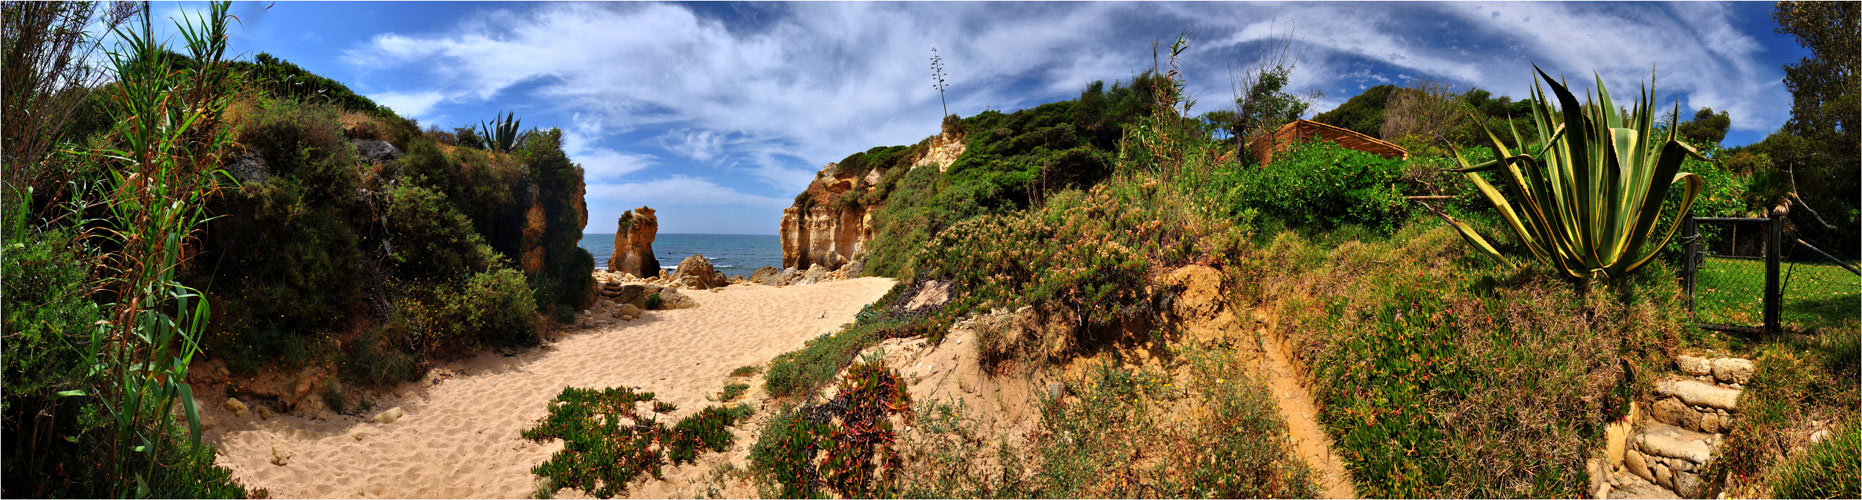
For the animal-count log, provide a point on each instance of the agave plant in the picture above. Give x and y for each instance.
(501, 134)
(1586, 196)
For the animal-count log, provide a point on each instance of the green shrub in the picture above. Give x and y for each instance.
(430, 239)
(846, 444)
(801, 371)
(491, 308)
(608, 441)
(785, 453)
(47, 309)
(733, 391)
(653, 301)
(375, 358)
(707, 430)
(1321, 185)
(862, 460)
(1011, 161)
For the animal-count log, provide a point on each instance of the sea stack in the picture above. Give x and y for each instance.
(633, 244)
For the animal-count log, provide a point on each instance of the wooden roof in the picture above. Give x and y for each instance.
(1264, 146)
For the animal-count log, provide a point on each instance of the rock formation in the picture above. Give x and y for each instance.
(830, 223)
(633, 244)
(696, 272)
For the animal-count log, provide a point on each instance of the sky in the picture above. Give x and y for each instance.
(718, 114)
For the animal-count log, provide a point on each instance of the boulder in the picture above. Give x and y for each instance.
(238, 408)
(288, 389)
(672, 299)
(376, 150)
(633, 243)
(696, 272)
(766, 275)
(389, 416)
(281, 455)
(635, 293)
(629, 311)
(815, 274)
(1199, 307)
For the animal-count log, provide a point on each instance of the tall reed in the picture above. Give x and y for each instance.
(163, 164)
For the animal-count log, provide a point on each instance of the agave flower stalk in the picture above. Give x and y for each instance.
(1585, 197)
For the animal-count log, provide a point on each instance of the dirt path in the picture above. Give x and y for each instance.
(1296, 407)
(459, 435)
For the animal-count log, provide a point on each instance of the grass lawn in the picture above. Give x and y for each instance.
(1816, 296)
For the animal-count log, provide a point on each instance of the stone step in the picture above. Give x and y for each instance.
(1672, 457)
(1722, 370)
(1633, 486)
(1699, 394)
(1673, 411)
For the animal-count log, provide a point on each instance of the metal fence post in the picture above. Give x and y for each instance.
(1690, 258)
(1774, 252)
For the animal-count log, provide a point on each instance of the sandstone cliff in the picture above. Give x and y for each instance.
(633, 244)
(832, 222)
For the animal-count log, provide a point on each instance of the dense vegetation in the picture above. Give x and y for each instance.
(1011, 162)
(287, 223)
(1438, 371)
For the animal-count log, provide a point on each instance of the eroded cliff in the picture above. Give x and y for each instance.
(831, 222)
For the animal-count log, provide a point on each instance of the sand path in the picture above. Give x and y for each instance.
(459, 437)
(1310, 441)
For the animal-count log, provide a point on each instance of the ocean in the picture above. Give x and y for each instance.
(731, 254)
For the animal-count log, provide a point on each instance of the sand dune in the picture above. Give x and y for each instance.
(459, 437)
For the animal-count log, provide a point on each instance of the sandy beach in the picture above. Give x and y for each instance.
(459, 436)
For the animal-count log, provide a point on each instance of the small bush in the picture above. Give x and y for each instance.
(608, 441)
(746, 371)
(376, 359)
(733, 391)
(785, 453)
(491, 308)
(845, 444)
(653, 301)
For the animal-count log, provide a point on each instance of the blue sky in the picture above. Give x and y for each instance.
(717, 114)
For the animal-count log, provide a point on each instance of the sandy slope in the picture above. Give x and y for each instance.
(459, 437)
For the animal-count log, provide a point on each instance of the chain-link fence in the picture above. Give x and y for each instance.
(1820, 291)
(1744, 274)
(1729, 271)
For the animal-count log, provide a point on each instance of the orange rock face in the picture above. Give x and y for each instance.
(823, 229)
(832, 222)
(633, 244)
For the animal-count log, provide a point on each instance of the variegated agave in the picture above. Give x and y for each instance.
(1585, 198)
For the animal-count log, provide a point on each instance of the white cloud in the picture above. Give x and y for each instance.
(600, 164)
(758, 106)
(680, 191)
(701, 145)
(414, 104)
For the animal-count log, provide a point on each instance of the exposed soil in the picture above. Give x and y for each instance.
(1302, 417)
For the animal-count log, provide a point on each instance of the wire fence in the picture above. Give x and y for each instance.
(1729, 272)
(1744, 274)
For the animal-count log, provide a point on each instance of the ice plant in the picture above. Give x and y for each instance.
(1585, 197)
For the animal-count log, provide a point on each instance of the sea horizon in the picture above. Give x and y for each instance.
(731, 254)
